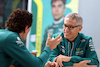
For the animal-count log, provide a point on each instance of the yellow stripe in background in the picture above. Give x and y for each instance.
(15, 3)
(39, 26)
(73, 5)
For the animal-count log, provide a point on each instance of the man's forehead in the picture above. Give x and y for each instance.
(70, 21)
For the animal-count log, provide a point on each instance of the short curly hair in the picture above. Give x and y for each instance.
(18, 20)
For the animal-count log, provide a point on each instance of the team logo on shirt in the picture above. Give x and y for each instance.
(79, 51)
(83, 40)
(19, 42)
(18, 38)
(91, 45)
(63, 49)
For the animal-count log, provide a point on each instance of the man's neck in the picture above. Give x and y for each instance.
(73, 39)
(58, 21)
(21, 35)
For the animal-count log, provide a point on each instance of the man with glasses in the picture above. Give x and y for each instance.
(58, 9)
(75, 49)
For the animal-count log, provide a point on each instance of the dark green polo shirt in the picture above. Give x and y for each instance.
(12, 49)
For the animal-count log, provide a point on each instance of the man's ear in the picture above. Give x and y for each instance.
(26, 29)
(80, 28)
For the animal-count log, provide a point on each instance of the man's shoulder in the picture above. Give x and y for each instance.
(83, 36)
(4, 34)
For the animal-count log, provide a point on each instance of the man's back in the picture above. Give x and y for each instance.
(14, 52)
(5, 59)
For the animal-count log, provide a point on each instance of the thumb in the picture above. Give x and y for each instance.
(55, 59)
(52, 64)
(87, 61)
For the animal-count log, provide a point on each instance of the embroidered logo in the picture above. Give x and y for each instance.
(63, 49)
(78, 48)
(83, 40)
(91, 45)
(79, 51)
(18, 38)
(19, 42)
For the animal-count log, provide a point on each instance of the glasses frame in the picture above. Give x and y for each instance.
(69, 27)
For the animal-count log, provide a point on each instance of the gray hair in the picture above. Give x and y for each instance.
(75, 16)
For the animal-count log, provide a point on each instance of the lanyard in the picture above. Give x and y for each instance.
(62, 49)
(71, 48)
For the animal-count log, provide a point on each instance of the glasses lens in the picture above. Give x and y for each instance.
(70, 27)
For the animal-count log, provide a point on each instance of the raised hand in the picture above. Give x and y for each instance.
(52, 43)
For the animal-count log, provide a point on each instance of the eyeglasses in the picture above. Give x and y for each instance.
(69, 27)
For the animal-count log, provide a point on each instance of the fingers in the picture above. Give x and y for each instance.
(52, 43)
(49, 62)
(54, 64)
(60, 63)
(49, 36)
(87, 61)
(57, 65)
(92, 66)
(58, 37)
(55, 59)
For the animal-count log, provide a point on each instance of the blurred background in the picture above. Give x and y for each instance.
(43, 17)
(7, 6)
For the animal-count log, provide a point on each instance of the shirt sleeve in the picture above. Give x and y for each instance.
(90, 54)
(54, 52)
(15, 48)
(53, 55)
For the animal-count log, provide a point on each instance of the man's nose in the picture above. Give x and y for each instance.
(56, 9)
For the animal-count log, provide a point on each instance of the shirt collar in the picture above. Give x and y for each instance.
(58, 21)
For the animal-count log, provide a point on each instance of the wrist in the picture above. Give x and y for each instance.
(66, 59)
(75, 65)
(49, 47)
(69, 58)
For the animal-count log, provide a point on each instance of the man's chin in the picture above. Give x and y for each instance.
(66, 37)
(56, 18)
